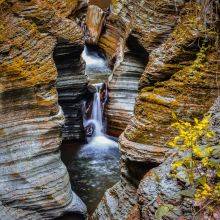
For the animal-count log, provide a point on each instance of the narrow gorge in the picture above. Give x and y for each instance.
(110, 110)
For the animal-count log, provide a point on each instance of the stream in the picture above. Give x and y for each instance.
(93, 167)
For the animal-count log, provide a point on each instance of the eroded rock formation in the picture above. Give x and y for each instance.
(94, 22)
(72, 88)
(181, 77)
(115, 29)
(123, 88)
(158, 187)
(34, 183)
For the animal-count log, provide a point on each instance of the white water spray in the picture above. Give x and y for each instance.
(99, 140)
(94, 62)
(97, 111)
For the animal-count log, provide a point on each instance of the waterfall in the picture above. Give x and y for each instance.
(95, 63)
(93, 60)
(96, 66)
(97, 111)
(98, 139)
(96, 119)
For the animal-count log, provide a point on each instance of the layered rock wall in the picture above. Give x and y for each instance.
(181, 77)
(123, 88)
(34, 183)
(72, 86)
(94, 22)
(115, 29)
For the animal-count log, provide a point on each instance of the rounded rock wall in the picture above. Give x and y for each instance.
(34, 183)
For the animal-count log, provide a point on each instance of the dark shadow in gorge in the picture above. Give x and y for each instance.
(137, 170)
(133, 44)
(71, 216)
(72, 88)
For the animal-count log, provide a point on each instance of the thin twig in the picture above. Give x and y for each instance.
(202, 209)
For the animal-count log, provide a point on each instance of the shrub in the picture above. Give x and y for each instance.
(196, 163)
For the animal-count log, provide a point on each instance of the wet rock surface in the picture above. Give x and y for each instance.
(117, 202)
(94, 22)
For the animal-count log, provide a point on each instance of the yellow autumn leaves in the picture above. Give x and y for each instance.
(196, 161)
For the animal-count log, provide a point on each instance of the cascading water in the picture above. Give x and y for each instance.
(97, 68)
(99, 139)
(97, 112)
(95, 167)
(94, 62)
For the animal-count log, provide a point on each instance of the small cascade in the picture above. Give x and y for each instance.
(94, 61)
(97, 110)
(97, 68)
(95, 124)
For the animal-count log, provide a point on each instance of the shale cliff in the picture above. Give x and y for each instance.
(123, 88)
(34, 183)
(72, 87)
(181, 77)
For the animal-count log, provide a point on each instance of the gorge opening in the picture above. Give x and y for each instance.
(98, 104)
(93, 163)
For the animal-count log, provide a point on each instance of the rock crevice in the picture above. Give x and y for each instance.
(72, 88)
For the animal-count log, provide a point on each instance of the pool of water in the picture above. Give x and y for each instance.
(93, 168)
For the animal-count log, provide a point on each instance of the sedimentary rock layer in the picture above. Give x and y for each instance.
(34, 183)
(115, 30)
(155, 20)
(71, 85)
(123, 89)
(182, 78)
(94, 22)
